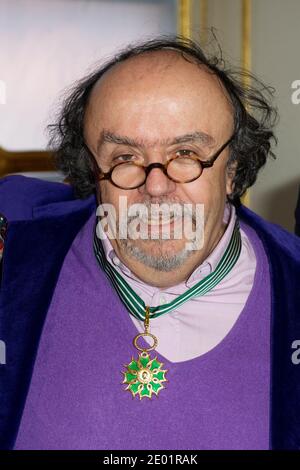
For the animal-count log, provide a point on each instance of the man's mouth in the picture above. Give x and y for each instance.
(156, 227)
(159, 221)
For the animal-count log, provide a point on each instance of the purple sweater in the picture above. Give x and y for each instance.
(219, 400)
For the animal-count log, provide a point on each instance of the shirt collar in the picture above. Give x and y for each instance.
(210, 263)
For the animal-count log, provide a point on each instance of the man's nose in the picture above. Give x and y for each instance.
(158, 184)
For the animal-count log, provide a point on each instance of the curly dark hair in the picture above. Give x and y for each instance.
(254, 117)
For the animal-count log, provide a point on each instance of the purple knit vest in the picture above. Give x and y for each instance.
(219, 400)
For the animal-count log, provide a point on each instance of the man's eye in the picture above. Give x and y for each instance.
(127, 157)
(185, 153)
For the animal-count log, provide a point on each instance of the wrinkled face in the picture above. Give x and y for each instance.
(150, 109)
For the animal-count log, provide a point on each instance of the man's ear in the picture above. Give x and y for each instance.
(230, 174)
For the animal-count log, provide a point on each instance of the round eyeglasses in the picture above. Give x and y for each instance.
(180, 169)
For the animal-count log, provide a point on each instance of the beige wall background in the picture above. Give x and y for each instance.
(275, 57)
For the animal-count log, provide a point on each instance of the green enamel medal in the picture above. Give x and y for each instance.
(144, 376)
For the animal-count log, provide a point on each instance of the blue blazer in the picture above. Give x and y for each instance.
(44, 219)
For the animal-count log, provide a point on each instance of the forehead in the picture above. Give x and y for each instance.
(158, 93)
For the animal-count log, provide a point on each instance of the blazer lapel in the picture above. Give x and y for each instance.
(33, 256)
(283, 251)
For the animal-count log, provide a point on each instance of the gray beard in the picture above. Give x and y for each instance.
(162, 262)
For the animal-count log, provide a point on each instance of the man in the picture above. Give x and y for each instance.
(214, 318)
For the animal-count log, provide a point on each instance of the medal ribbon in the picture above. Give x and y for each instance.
(137, 307)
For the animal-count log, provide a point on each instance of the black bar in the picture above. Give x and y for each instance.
(133, 459)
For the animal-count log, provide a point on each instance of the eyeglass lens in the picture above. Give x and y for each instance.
(182, 169)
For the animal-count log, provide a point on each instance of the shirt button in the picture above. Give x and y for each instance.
(116, 261)
(162, 300)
